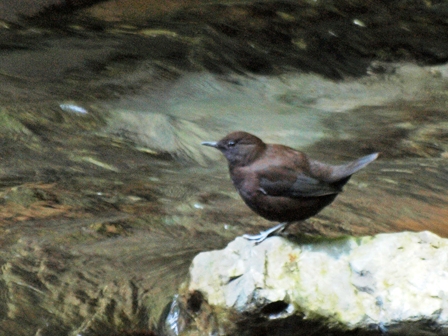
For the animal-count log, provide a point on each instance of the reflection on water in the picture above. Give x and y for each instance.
(107, 195)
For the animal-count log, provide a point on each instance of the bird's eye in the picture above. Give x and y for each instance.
(231, 143)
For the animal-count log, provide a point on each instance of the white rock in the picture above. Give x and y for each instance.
(384, 280)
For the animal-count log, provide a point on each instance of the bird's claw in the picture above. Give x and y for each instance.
(258, 238)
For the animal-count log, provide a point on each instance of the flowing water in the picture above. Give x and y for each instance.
(106, 194)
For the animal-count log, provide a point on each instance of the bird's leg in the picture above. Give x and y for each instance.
(267, 233)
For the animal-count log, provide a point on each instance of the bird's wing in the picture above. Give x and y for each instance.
(291, 184)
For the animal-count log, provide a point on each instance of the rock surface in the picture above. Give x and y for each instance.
(388, 282)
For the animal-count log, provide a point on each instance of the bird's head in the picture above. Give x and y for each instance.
(239, 148)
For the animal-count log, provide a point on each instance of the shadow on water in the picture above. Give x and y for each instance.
(106, 193)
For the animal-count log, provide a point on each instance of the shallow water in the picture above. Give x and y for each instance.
(107, 195)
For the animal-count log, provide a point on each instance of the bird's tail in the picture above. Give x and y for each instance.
(343, 172)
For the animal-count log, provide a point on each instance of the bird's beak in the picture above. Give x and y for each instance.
(210, 143)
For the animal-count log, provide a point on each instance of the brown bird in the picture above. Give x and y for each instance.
(280, 183)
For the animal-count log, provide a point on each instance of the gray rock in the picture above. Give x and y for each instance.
(395, 282)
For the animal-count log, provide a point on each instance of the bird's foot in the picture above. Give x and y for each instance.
(258, 238)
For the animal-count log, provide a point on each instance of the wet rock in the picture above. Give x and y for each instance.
(262, 37)
(66, 299)
(11, 127)
(161, 133)
(13, 10)
(388, 282)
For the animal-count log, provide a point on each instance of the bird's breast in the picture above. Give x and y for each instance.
(245, 181)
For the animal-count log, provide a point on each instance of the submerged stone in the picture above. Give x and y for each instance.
(388, 282)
